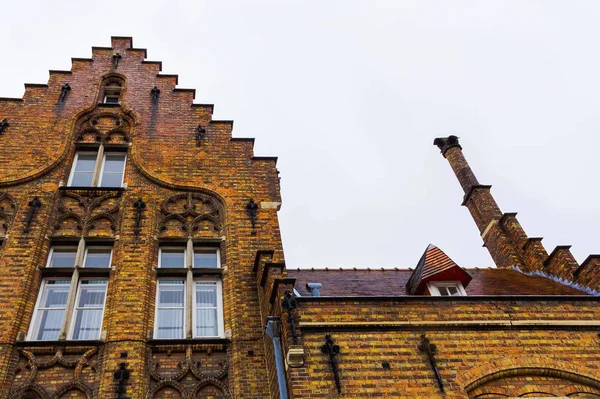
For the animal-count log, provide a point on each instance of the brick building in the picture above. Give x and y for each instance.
(141, 258)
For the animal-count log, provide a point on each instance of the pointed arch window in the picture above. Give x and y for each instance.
(111, 91)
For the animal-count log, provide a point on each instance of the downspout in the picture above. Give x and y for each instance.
(273, 330)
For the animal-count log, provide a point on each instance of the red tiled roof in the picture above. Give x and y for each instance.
(435, 262)
(392, 282)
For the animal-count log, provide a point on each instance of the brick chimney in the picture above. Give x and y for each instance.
(503, 235)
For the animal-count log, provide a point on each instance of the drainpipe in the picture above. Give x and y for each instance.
(273, 329)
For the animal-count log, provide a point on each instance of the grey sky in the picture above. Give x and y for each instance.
(350, 95)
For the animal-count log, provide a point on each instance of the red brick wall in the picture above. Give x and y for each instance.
(163, 160)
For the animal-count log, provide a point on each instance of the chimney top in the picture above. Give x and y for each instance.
(445, 143)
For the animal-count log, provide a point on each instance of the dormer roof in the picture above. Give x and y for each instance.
(435, 265)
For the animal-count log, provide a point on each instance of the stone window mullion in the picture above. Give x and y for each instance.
(189, 289)
(98, 168)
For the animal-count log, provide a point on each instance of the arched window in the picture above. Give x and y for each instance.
(111, 91)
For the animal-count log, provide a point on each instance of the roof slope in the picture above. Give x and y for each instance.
(392, 282)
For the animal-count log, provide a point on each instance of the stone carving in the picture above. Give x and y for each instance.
(7, 212)
(75, 373)
(190, 378)
(105, 127)
(87, 212)
(190, 214)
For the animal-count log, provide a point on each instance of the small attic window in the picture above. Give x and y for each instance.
(446, 288)
(112, 93)
(111, 90)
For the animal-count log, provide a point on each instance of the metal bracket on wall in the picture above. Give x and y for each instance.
(121, 375)
(116, 57)
(430, 349)
(289, 305)
(200, 135)
(64, 90)
(139, 207)
(332, 350)
(155, 92)
(3, 125)
(252, 210)
(34, 205)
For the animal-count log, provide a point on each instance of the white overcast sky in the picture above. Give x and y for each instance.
(351, 94)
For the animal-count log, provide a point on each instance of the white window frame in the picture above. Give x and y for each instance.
(220, 319)
(172, 247)
(112, 95)
(72, 174)
(434, 291)
(216, 249)
(98, 167)
(71, 328)
(51, 253)
(101, 172)
(185, 255)
(36, 308)
(109, 247)
(185, 291)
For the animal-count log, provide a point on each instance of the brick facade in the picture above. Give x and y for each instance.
(188, 183)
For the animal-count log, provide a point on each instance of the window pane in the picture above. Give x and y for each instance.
(82, 179)
(87, 324)
(443, 291)
(91, 297)
(89, 309)
(112, 172)
(205, 258)
(169, 318)
(171, 296)
(170, 323)
(48, 324)
(111, 99)
(51, 310)
(63, 257)
(206, 323)
(84, 170)
(206, 310)
(172, 257)
(114, 163)
(453, 291)
(206, 296)
(55, 294)
(98, 257)
(85, 162)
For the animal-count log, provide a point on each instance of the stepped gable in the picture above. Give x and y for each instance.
(392, 282)
(174, 142)
(435, 265)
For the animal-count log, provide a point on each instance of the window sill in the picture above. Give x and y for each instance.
(177, 272)
(61, 343)
(68, 271)
(93, 190)
(187, 341)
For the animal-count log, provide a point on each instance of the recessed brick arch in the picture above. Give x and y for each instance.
(527, 366)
